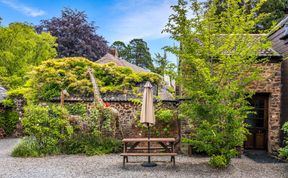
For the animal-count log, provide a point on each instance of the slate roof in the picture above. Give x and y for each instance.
(2, 93)
(163, 94)
(279, 25)
(105, 97)
(268, 52)
(120, 62)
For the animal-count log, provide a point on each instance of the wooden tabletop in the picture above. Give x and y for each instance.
(151, 140)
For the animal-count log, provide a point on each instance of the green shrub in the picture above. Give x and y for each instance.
(48, 125)
(107, 116)
(283, 152)
(8, 102)
(50, 77)
(219, 161)
(8, 121)
(165, 115)
(28, 147)
(76, 109)
(90, 144)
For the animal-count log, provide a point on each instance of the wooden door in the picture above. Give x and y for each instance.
(258, 123)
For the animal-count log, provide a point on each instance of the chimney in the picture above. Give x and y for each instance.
(114, 52)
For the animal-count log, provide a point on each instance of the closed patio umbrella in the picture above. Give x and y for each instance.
(147, 116)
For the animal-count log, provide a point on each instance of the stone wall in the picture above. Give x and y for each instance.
(128, 117)
(271, 84)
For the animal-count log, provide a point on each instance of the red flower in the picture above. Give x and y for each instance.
(106, 104)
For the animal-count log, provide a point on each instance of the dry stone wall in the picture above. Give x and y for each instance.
(128, 112)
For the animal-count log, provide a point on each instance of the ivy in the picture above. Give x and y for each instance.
(76, 108)
(165, 120)
(50, 77)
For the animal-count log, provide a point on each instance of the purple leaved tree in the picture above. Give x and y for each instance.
(75, 35)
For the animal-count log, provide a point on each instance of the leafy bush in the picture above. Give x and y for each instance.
(76, 109)
(165, 115)
(165, 120)
(219, 161)
(48, 125)
(8, 121)
(90, 144)
(48, 79)
(7, 102)
(28, 147)
(283, 152)
(53, 134)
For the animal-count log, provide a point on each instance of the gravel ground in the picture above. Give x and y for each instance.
(111, 166)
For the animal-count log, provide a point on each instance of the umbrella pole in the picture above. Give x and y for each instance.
(149, 159)
(149, 163)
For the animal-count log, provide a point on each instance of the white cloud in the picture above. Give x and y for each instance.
(140, 19)
(29, 11)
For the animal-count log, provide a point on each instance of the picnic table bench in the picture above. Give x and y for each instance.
(131, 148)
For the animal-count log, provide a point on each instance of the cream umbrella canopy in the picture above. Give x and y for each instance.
(147, 116)
(147, 111)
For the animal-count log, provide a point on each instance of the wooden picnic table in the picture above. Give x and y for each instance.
(131, 148)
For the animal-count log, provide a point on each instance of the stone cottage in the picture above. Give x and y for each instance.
(271, 98)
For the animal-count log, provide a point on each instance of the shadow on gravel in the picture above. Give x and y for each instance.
(196, 169)
(260, 156)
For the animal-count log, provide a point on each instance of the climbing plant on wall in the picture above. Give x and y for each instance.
(48, 79)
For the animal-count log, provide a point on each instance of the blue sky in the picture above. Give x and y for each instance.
(117, 19)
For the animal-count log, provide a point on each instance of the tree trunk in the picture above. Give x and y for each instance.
(96, 91)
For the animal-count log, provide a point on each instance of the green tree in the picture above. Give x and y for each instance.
(75, 35)
(178, 26)
(161, 63)
(274, 11)
(20, 48)
(123, 50)
(218, 61)
(139, 54)
(135, 52)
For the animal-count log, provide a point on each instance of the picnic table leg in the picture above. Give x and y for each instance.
(124, 161)
(172, 150)
(173, 161)
(125, 158)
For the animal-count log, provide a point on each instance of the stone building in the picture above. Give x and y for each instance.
(271, 98)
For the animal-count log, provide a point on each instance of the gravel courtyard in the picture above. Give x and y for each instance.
(111, 166)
